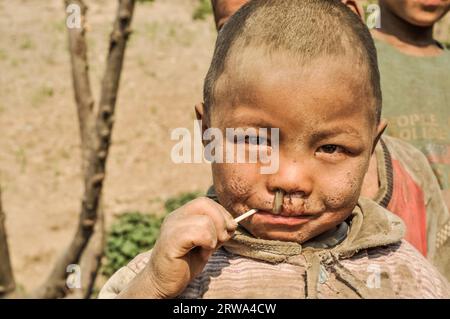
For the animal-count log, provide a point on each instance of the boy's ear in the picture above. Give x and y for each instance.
(200, 115)
(355, 7)
(199, 111)
(380, 130)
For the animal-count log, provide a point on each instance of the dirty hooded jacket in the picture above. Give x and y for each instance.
(364, 258)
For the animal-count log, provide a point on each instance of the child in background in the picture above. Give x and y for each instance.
(415, 81)
(224, 9)
(308, 68)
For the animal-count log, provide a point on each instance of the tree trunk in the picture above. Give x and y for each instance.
(91, 260)
(95, 132)
(7, 284)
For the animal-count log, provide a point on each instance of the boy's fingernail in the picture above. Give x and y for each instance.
(231, 225)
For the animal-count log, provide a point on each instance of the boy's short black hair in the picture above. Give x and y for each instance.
(305, 29)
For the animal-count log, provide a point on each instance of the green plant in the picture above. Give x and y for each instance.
(202, 10)
(177, 201)
(132, 234)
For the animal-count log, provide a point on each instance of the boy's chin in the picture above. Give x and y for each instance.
(298, 235)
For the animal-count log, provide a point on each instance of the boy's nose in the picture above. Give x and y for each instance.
(293, 178)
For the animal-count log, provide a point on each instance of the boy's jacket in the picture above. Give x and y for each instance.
(370, 261)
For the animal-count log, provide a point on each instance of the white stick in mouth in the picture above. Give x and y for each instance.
(278, 201)
(245, 215)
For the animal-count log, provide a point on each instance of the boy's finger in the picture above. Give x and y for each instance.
(199, 232)
(222, 219)
(229, 219)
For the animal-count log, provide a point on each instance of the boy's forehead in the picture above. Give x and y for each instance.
(253, 78)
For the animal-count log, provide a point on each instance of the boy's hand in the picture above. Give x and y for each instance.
(189, 236)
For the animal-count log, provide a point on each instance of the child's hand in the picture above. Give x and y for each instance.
(189, 236)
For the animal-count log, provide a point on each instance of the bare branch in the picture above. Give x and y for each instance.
(80, 80)
(98, 147)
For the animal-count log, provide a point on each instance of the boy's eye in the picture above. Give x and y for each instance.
(330, 149)
(252, 140)
(255, 140)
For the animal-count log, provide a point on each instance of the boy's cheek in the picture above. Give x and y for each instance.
(239, 176)
(234, 183)
(340, 188)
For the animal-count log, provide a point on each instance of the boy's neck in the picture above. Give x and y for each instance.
(406, 37)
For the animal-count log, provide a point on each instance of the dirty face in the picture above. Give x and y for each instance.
(423, 13)
(327, 129)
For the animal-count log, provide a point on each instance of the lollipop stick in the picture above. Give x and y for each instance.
(245, 215)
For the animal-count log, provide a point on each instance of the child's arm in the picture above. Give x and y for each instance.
(189, 236)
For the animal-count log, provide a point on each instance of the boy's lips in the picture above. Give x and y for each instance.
(291, 219)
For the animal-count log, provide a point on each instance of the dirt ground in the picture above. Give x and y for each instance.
(166, 60)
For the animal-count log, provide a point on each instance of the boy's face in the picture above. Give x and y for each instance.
(422, 13)
(327, 131)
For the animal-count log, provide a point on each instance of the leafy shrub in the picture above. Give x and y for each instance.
(177, 201)
(134, 233)
(130, 235)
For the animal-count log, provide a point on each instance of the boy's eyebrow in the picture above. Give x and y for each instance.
(251, 122)
(329, 133)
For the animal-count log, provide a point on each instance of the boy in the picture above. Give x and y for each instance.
(308, 68)
(399, 177)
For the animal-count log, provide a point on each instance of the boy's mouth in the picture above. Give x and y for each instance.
(284, 218)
